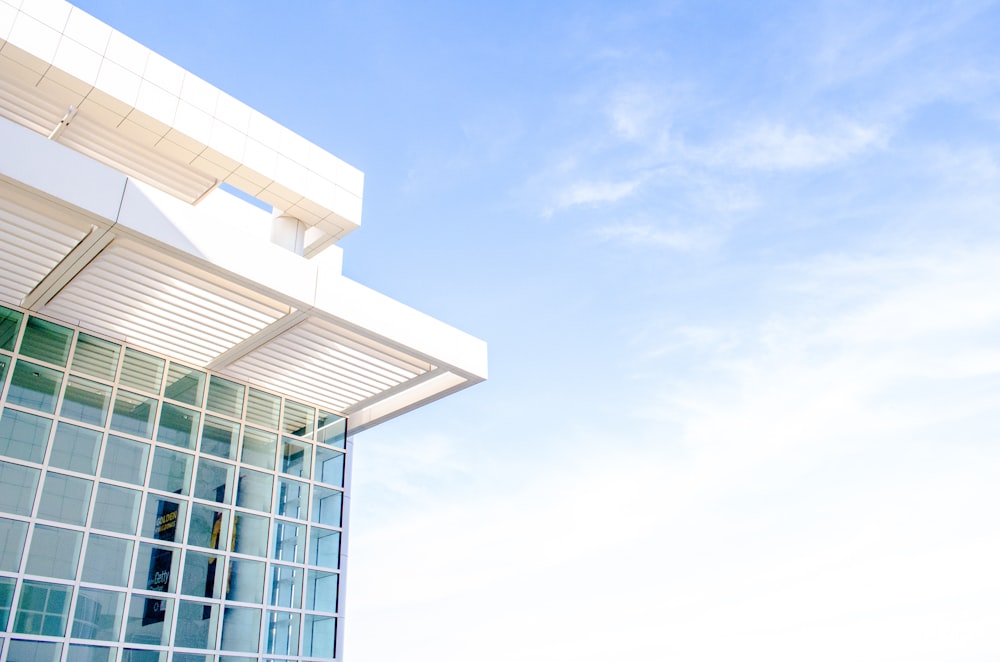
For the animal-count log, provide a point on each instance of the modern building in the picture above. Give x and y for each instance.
(181, 368)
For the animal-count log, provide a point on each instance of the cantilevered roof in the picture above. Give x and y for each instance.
(63, 72)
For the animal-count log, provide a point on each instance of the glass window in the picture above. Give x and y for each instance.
(263, 409)
(17, 488)
(12, 535)
(82, 653)
(319, 636)
(24, 436)
(46, 341)
(171, 471)
(185, 384)
(4, 363)
(43, 608)
(133, 414)
(108, 560)
(116, 509)
(220, 437)
(65, 499)
(250, 534)
(34, 386)
(6, 599)
(163, 519)
(225, 397)
(298, 419)
(86, 401)
(209, 527)
(282, 633)
(178, 426)
(214, 481)
(332, 430)
(156, 568)
(289, 542)
(21, 650)
(329, 466)
(142, 372)
(202, 575)
(296, 457)
(193, 657)
(241, 629)
(254, 490)
(75, 448)
(246, 581)
(327, 506)
(285, 587)
(142, 655)
(96, 357)
(293, 498)
(324, 547)
(98, 614)
(148, 622)
(54, 552)
(322, 591)
(259, 448)
(200, 623)
(10, 321)
(125, 460)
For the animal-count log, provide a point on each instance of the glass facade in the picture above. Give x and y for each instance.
(152, 511)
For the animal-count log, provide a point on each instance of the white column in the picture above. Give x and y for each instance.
(288, 232)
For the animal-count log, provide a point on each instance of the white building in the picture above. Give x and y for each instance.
(180, 370)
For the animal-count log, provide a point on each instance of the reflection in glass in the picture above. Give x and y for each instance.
(282, 633)
(225, 397)
(149, 620)
(185, 384)
(263, 409)
(108, 560)
(171, 471)
(259, 448)
(324, 547)
(43, 608)
(289, 541)
(209, 527)
(142, 655)
(98, 614)
(83, 653)
(24, 436)
(285, 587)
(178, 426)
(199, 622)
(75, 448)
(65, 499)
(250, 534)
(220, 437)
(125, 460)
(12, 535)
(10, 322)
(46, 341)
(296, 456)
(329, 466)
(156, 568)
(54, 552)
(322, 591)
(254, 490)
(142, 372)
(214, 481)
(86, 401)
(115, 509)
(298, 419)
(34, 386)
(33, 651)
(96, 357)
(17, 488)
(293, 498)
(332, 430)
(246, 581)
(6, 597)
(134, 414)
(319, 637)
(327, 506)
(202, 575)
(163, 519)
(241, 629)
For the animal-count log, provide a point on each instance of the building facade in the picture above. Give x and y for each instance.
(183, 364)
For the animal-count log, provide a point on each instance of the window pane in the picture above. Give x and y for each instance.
(324, 548)
(149, 621)
(140, 655)
(24, 436)
(34, 386)
(6, 600)
(200, 622)
(4, 364)
(319, 637)
(171, 471)
(327, 506)
(65, 499)
(142, 371)
(98, 614)
(332, 430)
(259, 448)
(54, 552)
(96, 357)
(133, 414)
(282, 633)
(202, 575)
(115, 509)
(20, 650)
(263, 409)
(289, 542)
(10, 321)
(214, 481)
(12, 535)
(241, 629)
(108, 560)
(250, 534)
(254, 490)
(293, 498)
(220, 437)
(163, 519)
(298, 419)
(156, 568)
(46, 341)
(81, 653)
(209, 527)
(185, 384)
(125, 460)
(225, 397)
(296, 457)
(322, 591)
(86, 401)
(43, 608)
(285, 588)
(246, 581)
(75, 448)
(178, 426)
(329, 466)
(17, 488)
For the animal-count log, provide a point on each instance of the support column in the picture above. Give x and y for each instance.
(288, 232)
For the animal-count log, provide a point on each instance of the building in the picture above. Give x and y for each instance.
(181, 369)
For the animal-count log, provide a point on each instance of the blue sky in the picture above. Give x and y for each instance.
(737, 264)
